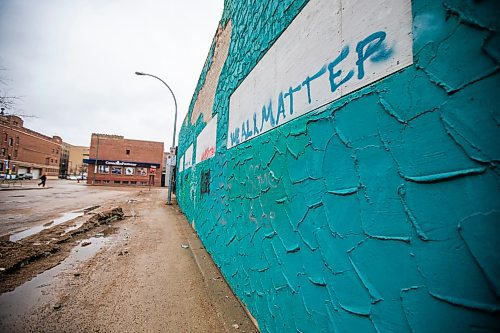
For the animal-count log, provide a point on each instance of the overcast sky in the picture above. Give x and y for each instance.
(73, 63)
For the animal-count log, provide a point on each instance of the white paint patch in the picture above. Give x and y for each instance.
(332, 48)
(188, 158)
(205, 143)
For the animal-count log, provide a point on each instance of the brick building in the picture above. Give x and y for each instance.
(24, 150)
(114, 160)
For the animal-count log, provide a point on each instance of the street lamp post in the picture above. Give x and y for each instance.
(172, 167)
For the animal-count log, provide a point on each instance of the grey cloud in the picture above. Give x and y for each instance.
(74, 62)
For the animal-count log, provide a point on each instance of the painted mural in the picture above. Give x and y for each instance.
(188, 158)
(373, 206)
(329, 50)
(205, 142)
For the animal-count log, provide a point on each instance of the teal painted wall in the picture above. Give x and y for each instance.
(377, 213)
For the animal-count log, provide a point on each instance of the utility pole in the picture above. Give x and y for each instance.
(174, 157)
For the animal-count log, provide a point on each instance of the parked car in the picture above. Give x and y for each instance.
(5, 176)
(25, 176)
(72, 177)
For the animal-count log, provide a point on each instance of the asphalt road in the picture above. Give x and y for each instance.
(26, 206)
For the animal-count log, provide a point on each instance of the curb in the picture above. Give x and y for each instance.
(13, 188)
(232, 313)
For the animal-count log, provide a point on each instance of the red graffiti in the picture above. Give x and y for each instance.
(209, 152)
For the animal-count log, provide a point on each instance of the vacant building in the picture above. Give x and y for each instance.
(114, 160)
(26, 151)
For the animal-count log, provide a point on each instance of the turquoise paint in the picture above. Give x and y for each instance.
(376, 213)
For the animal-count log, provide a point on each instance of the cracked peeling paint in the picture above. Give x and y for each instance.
(377, 212)
(445, 175)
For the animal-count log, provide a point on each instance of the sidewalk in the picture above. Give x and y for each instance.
(13, 184)
(154, 276)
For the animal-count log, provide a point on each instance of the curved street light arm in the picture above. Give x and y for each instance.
(175, 101)
(172, 168)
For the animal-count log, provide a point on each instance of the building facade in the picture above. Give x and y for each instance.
(72, 160)
(114, 160)
(26, 151)
(76, 164)
(339, 161)
(63, 163)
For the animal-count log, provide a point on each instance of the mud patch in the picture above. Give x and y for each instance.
(24, 259)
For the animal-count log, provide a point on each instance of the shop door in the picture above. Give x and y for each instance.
(36, 173)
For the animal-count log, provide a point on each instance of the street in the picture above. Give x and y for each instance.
(20, 209)
(123, 262)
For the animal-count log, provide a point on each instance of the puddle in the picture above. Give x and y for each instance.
(85, 211)
(31, 231)
(73, 227)
(21, 301)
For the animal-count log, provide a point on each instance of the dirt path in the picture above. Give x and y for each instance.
(142, 281)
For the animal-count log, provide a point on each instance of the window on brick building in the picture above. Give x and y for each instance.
(17, 140)
(127, 151)
(11, 142)
(3, 151)
(15, 153)
(5, 137)
(1, 166)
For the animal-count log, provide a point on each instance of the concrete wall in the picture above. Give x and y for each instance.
(376, 210)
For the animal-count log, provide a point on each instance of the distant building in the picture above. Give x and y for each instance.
(72, 160)
(77, 154)
(63, 162)
(114, 160)
(26, 151)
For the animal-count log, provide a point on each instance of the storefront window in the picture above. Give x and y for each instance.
(116, 170)
(129, 171)
(103, 168)
(142, 171)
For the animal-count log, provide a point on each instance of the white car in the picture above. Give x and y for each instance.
(72, 177)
